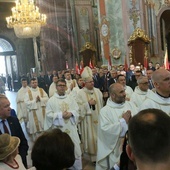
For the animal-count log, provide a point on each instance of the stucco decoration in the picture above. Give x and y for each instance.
(167, 2)
(139, 33)
(88, 46)
(116, 53)
(134, 14)
(105, 30)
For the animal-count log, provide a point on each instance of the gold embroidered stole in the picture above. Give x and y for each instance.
(74, 83)
(64, 108)
(34, 112)
(43, 107)
(95, 122)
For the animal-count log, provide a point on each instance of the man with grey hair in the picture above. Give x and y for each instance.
(113, 124)
(160, 98)
(140, 92)
(90, 101)
(149, 75)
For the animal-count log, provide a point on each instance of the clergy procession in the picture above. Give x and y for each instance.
(93, 108)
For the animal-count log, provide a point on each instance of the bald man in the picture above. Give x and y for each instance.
(159, 98)
(152, 152)
(113, 120)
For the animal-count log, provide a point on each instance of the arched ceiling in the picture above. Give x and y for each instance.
(5, 45)
(165, 16)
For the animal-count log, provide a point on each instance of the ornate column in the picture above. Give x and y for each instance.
(104, 29)
(37, 64)
(152, 28)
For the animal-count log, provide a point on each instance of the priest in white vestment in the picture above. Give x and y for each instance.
(90, 101)
(62, 113)
(140, 92)
(75, 91)
(35, 99)
(70, 83)
(52, 88)
(113, 124)
(22, 113)
(160, 97)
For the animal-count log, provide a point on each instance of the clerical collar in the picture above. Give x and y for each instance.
(89, 91)
(80, 87)
(68, 80)
(61, 94)
(34, 89)
(161, 95)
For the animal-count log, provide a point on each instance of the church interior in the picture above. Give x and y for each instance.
(63, 34)
(95, 31)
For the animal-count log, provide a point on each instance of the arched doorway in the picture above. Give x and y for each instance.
(8, 60)
(165, 31)
(2, 61)
(163, 23)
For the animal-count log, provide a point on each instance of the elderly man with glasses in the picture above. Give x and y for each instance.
(90, 102)
(140, 92)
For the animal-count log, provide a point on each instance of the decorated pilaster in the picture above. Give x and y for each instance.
(104, 30)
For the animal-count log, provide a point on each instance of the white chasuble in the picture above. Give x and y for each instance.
(22, 113)
(89, 118)
(54, 119)
(111, 131)
(36, 110)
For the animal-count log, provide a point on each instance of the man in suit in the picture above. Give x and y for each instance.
(95, 78)
(150, 66)
(3, 78)
(41, 81)
(130, 73)
(48, 79)
(149, 75)
(11, 125)
(113, 77)
(133, 82)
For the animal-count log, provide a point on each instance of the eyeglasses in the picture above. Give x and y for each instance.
(60, 85)
(145, 83)
(89, 81)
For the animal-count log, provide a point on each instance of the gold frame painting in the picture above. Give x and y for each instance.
(105, 30)
(116, 53)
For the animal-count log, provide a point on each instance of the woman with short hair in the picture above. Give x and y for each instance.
(53, 150)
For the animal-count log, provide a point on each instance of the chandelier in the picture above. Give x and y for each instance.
(26, 19)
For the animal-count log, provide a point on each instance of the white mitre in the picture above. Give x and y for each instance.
(86, 73)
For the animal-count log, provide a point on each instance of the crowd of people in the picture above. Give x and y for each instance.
(93, 110)
(3, 81)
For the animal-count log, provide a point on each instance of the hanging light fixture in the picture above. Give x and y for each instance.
(26, 19)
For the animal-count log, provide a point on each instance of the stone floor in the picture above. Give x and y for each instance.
(87, 165)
